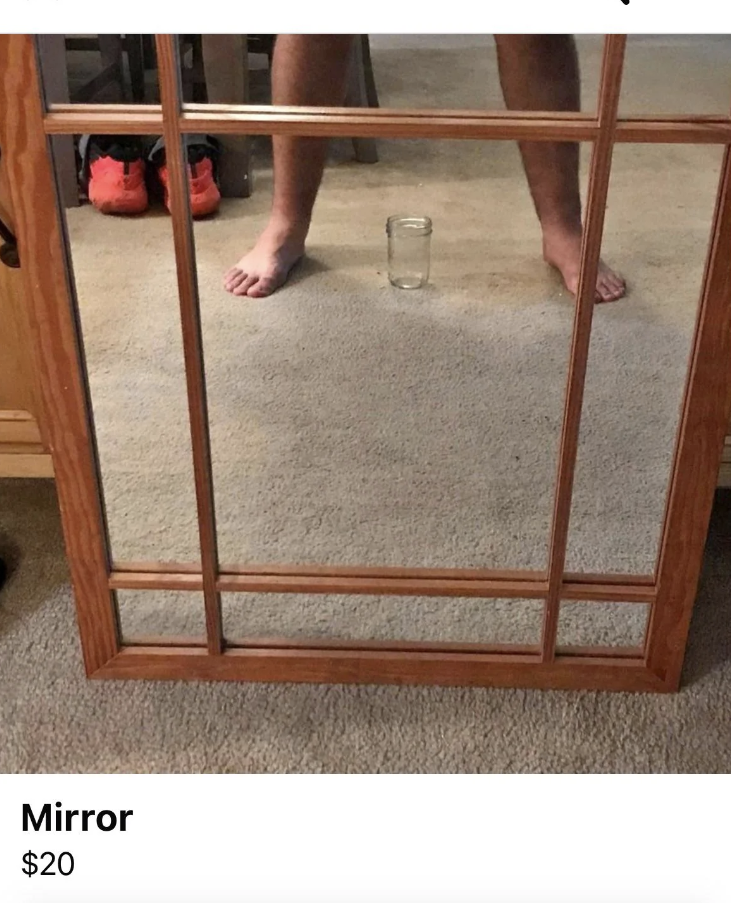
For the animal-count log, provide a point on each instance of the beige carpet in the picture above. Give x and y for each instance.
(52, 719)
(355, 423)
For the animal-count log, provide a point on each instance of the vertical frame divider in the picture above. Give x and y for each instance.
(703, 426)
(601, 164)
(170, 96)
(54, 318)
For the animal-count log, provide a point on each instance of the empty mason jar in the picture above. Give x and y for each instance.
(409, 240)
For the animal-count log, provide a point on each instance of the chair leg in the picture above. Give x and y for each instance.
(136, 61)
(366, 150)
(52, 51)
(200, 92)
(370, 81)
(187, 73)
(149, 54)
(229, 83)
(111, 48)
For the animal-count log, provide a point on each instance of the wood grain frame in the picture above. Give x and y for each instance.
(25, 127)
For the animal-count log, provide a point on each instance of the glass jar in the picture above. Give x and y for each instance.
(409, 241)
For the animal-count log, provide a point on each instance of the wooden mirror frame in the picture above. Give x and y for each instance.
(26, 125)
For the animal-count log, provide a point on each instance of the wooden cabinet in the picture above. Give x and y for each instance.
(724, 474)
(23, 449)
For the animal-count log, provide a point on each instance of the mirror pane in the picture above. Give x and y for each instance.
(126, 288)
(417, 71)
(355, 422)
(677, 74)
(145, 614)
(98, 68)
(267, 616)
(602, 624)
(660, 209)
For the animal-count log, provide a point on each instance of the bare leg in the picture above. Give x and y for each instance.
(308, 70)
(541, 72)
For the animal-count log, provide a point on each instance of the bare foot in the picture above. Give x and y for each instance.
(266, 267)
(562, 249)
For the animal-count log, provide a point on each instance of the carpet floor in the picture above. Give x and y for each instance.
(53, 719)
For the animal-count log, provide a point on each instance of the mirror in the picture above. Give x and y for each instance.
(127, 296)
(171, 616)
(395, 395)
(414, 71)
(270, 617)
(676, 74)
(354, 422)
(98, 68)
(602, 624)
(658, 222)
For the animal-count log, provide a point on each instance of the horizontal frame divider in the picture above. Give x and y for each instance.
(292, 583)
(70, 119)
(634, 653)
(265, 111)
(631, 130)
(318, 642)
(336, 570)
(413, 584)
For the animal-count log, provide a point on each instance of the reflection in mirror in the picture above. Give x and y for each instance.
(145, 614)
(676, 74)
(354, 422)
(268, 616)
(660, 208)
(602, 624)
(126, 287)
(98, 68)
(419, 71)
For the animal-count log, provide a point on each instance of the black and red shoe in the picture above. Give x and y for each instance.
(202, 157)
(114, 168)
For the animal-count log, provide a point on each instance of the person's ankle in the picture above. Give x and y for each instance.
(285, 228)
(561, 226)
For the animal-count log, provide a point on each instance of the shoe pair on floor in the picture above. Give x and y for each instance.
(116, 170)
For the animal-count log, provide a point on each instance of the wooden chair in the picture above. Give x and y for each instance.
(224, 83)
(53, 50)
(210, 77)
(362, 93)
(112, 48)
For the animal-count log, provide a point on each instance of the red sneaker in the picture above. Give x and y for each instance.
(116, 176)
(204, 193)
